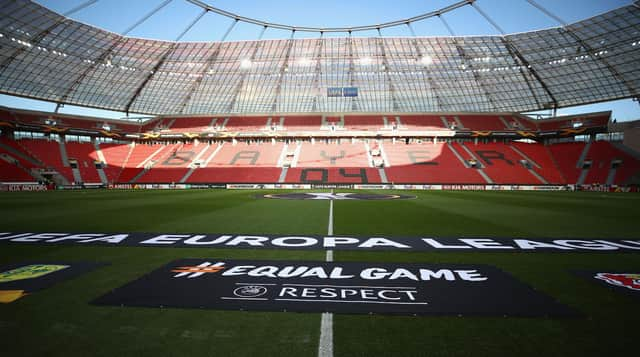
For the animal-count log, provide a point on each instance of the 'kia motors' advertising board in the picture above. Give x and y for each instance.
(341, 287)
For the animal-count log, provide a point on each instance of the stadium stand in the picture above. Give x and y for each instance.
(197, 125)
(13, 169)
(609, 165)
(330, 154)
(363, 122)
(140, 154)
(116, 157)
(427, 163)
(86, 156)
(280, 149)
(482, 122)
(326, 160)
(418, 122)
(541, 161)
(47, 152)
(246, 124)
(330, 162)
(240, 163)
(302, 123)
(567, 156)
(502, 164)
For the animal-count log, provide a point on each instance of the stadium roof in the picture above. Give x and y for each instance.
(51, 57)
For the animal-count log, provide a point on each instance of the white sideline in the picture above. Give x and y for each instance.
(325, 345)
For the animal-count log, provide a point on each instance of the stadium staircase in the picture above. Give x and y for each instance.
(85, 157)
(502, 164)
(15, 150)
(116, 157)
(49, 153)
(471, 156)
(529, 163)
(102, 159)
(541, 162)
(12, 171)
(580, 164)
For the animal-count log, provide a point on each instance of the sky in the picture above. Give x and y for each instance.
(511, 15)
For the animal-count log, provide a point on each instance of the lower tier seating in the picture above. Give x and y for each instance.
(320, 175)
(327, 162)
(235, 175)
(427, 163)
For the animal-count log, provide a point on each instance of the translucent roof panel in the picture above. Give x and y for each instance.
(49, 57)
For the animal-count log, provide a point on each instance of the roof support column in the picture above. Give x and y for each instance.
(238, 90)
(418, 59)
(163, 59)
(206, 68)
(283, 72)
(317, 74)
(387, 76)
(468, 64)
(517, 57)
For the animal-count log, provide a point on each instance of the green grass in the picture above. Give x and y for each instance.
(60, 322)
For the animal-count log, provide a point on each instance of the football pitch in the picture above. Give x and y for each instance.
(59, 321)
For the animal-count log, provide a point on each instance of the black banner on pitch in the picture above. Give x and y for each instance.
(20, 279)
(310, 242)
(624, 282)
(340, 287)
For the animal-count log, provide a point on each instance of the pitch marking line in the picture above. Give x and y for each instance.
(325, 346)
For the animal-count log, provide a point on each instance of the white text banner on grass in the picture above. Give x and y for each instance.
(311, 242)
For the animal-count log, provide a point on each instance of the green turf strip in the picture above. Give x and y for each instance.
(495, 214)
(60, 322)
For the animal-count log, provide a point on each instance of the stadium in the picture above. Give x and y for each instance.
(452, 178)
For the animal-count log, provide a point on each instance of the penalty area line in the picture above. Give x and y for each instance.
(325, 345)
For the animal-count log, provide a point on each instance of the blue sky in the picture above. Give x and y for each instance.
(511, 15)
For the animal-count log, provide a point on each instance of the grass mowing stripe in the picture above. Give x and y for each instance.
(325, 346)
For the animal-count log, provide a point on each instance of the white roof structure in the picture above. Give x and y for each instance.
(47, 56)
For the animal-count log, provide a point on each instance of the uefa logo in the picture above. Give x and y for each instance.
(250, 291)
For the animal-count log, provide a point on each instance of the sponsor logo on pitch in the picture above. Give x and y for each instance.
(29, 272)
(626, 280)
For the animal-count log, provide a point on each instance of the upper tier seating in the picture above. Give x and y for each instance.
(418, 122)
(520, 123)
(191, 125)
(302, 123)
(246, 124)
(482, 122)
(363, 122)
